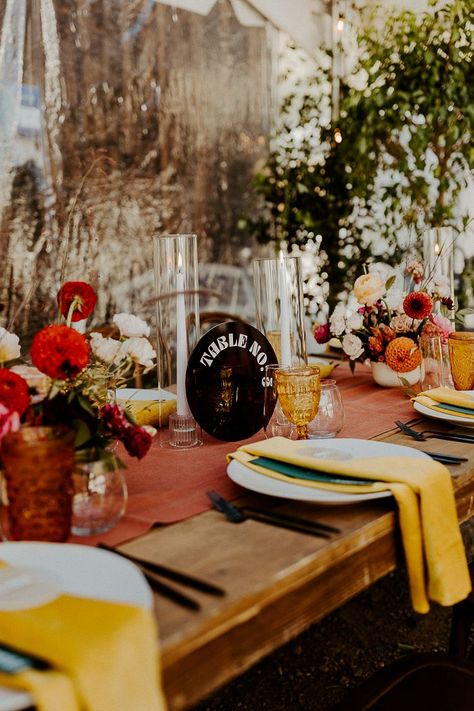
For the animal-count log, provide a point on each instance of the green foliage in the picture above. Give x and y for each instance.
(406, 125)
(415, 118)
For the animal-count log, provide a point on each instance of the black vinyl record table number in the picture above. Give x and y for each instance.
(225, 380)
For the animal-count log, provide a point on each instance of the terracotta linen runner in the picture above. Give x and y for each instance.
(169, 486)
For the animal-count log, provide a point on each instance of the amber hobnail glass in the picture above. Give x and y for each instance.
(38, 463)
(299, 390)
(461, 359)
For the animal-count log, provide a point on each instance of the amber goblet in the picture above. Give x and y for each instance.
(299, 390)
(461, 359)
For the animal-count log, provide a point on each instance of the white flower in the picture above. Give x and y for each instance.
(382, 270)
(9, 345)
(368, 289)
(394, 299)
(337, 321)
(352, 346)
(140, 351)
(131, 326)
(441, 285)
(105, 349)
(354, 321)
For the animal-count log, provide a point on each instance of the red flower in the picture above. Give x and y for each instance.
(322, 333)
(418, 304)
(137, 441)
(114, 420)
(80, 294)
(60, 352)
(14, 392)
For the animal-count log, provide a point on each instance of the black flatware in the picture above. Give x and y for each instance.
(446, 458)
(294, 523)
(433, 434)
(153, 571)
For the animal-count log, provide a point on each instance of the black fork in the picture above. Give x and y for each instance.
(432, 434)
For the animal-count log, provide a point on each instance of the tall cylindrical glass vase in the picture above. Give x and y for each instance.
(278, 285)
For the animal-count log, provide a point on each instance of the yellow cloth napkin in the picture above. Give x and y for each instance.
(434, 551)
(448, 396)
(104, 655)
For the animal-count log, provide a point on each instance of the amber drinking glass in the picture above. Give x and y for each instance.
(461, 359)
(38, 464)
(298, 390)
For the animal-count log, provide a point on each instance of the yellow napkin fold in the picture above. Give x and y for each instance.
(448, 396)
(434, 551)
(104, 655)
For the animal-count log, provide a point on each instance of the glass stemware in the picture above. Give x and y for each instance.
(330, 418)
(298, 389)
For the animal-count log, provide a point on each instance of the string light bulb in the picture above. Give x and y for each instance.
(338, 135)
(340, 23)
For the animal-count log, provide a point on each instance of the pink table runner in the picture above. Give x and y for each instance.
(169, 486)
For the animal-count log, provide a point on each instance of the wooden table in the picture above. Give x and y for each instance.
(278, 582)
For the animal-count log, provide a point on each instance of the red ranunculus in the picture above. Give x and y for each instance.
(60, 352)
(322, 333)
(418, 304)
(137, 441)
(14, 392)
(79, 293)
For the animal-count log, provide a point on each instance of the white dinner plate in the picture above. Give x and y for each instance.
(45, 570)
(342, 449)
(448, 417)
(81, 570)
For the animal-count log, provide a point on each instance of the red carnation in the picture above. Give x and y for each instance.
(60, 352)
(80, 296)
(322, 333)
(418, 304)
(14, 392)
(137, 441)
(114, 420)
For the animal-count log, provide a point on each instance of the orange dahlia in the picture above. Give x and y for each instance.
(418, 305)
(402, 355)
(60, 352)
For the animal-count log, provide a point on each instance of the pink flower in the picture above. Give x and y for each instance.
(137, 441)
(444, 324)
(9, 421)
(322, 333)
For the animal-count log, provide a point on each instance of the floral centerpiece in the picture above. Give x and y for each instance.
(383, 324)
(73, 377)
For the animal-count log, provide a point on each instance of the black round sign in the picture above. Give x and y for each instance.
(225, 380)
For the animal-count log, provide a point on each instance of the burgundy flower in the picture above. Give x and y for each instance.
(115, 421)
(14, 394)
(137, 441)
(448, 302)
(322, 333)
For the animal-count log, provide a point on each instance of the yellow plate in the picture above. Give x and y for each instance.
(325, 367)
(147, 407)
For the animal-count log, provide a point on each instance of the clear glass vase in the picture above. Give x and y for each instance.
(99, 496)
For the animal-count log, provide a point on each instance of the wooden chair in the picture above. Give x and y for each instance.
(436, 682)
(418, 682)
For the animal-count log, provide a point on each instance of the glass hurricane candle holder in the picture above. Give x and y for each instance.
(278, 285)
(177, 317)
